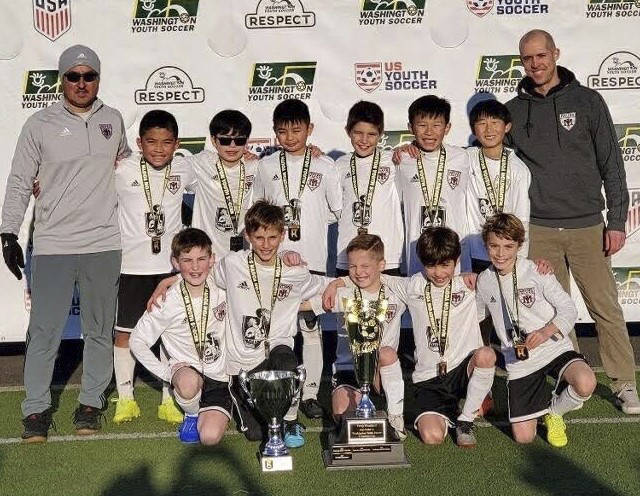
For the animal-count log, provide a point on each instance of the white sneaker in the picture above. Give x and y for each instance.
(397, 423)
(627, 400)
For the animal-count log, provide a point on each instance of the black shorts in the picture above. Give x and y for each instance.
(216, 396)
(441, 395)
(529, 396)
(346, 379)
(133, 293)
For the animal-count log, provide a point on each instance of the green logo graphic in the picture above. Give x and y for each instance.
(500, 67)
(391, 139)
(281, 80)
(190, 146)
(41, 88)
(184, 9)
(411, 6)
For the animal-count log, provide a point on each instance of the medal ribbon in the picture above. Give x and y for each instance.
(277, 275)
(502, 180)
(144, 172)
(442, 326)
(233, 208)
(306, 165)
(373, 178)
(197, 333)
(516, 333)
(432, 202)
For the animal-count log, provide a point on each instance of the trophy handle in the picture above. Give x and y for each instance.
(244, 384)
(302, 377)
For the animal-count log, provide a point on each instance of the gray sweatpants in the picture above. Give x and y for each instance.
(52, 281)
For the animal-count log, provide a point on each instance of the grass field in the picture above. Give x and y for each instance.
(143, 457)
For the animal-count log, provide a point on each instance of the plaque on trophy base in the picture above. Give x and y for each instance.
(276, 463)
(365, 443)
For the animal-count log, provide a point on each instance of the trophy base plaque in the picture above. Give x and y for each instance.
(276, 463)
(365, 443)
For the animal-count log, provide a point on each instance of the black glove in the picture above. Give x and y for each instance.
(12, 253)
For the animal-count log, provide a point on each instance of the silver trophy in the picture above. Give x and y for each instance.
(271, 393)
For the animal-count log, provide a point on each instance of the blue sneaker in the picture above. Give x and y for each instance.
(188, 431)
(293, 434)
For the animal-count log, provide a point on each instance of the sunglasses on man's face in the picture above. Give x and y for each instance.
(87, 77)
(227, 140)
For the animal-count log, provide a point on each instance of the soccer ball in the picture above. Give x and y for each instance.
(368, 76)
(479, 4)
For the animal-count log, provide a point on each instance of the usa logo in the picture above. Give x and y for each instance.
(52, 18)
(567, 120)
(106, 130)
(173, 184)
(480, 7)
(527, 296)
(368, 75)
(283, 291)
(314, 180)
(453, 178)
(457, 298)
(383, 174)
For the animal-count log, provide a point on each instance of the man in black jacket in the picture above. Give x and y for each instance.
(564, 133)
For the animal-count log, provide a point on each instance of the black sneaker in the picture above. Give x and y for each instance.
(465, 438)
(311, 408)
(87, 419)
(36, 427)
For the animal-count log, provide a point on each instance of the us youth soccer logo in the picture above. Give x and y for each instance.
(628, 283)
(52, 18)
(391, 139)
(619, 71)
(392, 76)
(567, 120)
(499, 74)
(190, 146)
(381, 12)
(280, 14)
(521, 7)
(633, 216)
(169, 84)
(629, 141)
(271, 81)
(480, 7)
(613, 8)
(41, 89)
(161, 16)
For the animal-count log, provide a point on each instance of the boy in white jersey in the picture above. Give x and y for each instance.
(191, 325)
(532, 316)
(432, 177)
(149, 186)
(451, 362)
(264, 297)
(366, 258)
(499, 180)
(370, 202)
(306, 186)
(224, 182)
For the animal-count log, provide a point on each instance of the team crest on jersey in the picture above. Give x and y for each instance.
(453, 178)
(368, 75)
(383, 174)
(284, 290)
(392, 308)
(480, 7)
(314, 180)
(173, 184)
(52, 18)
(106, 130)
(248, 182)
(212, 350)
(527, 296)
(457, 298)
(567, 120)
(220, 311)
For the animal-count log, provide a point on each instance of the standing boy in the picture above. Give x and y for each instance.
(190, 324)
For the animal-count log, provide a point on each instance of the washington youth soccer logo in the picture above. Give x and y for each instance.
(392, 76)
(527, 296)
(567, 120)
(271, 81)
(480, 7)
(613, 8)
(280, 14)
(619, 71)
(380, 12)
(628, 283)
(161, 16)
(52, 18)
(499, 74)
(169, 84)
(41, 89)
(190, 146)
(391, 139)
(521, 7)
(629, 141)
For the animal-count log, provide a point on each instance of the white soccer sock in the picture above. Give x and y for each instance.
(479, 386)
(123, 365)
(567, 401)
(393, 385)
(311, 358)
(292, 414)
(164, 360)
(190, 407)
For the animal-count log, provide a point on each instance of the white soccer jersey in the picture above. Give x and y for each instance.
(463, 336)
(452, 197)
(210, 211)
(390, 330)
(541, 300)
(386, 217)
(169, 323)
(137, 257)
(479, 209)
(245, 334)
(321, 197)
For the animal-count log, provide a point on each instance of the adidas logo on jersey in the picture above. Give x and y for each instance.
(243, 285)
(492, 300)
(135, 183)
(275, 177)
(414, 179)
(65, 132)
(215, 177)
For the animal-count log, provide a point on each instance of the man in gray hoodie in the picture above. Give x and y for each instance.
(71, 147)
(564, 133)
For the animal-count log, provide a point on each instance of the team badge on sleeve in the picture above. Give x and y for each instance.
(527, 296)
(106, 130)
